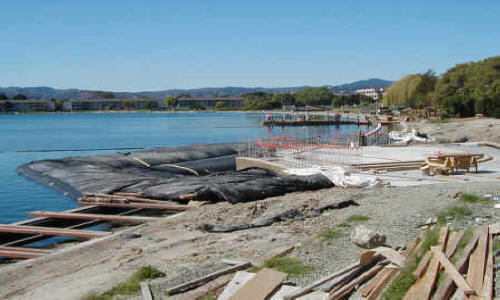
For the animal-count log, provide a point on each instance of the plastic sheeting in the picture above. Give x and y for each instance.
(338, 176)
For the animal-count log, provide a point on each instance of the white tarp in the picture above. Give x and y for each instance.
(406, 137)
(338, 176)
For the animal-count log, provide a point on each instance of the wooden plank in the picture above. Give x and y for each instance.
(453, 272)
(200, 281)
(453, 241)
(494, 229)
(422, 265)
(312, 286)
(423, 288)
(344, 290)
(25, 249)
(342, 279)
(145, 291)
(19, 254)
(102, 217)
(384, 280)
(127, 194)
(489, 277)
(138, 205)
(477, 263)
(261, 286)
(52, 231)
(446, 289)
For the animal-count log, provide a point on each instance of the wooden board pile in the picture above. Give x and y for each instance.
(128, 200)
(471, 277)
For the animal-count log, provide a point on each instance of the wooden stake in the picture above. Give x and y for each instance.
(477, 263)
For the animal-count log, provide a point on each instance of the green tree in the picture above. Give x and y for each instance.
(58, 104)
(470, 88)
(19, 97)
(3, 96)
(283, 99)
(219, 105)
(127, 104)
(314, 96)
(336, 101)
(171, 101)
(151, 105)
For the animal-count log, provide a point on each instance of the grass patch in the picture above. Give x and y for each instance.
(357, 218)
(130, 286)
(469, 198)
(457, 212)
(328, 234)
(405, 279)
(289, 265)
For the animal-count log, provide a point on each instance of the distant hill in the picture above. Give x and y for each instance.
(49, 93)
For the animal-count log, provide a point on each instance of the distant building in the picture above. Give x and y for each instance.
(105, 104)
(28, 105)
(372, 93)
(210, 102)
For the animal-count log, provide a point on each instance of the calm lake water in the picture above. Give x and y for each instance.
(28, 137)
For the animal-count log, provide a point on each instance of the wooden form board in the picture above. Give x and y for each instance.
(52, 231)
(83, 216)
(176, 207)
(19, 254)
(261, 286)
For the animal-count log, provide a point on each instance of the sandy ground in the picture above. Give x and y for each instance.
(178, 246)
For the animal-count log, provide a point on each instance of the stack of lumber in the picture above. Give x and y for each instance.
(470, 277)
(128, 200)
(390, 166)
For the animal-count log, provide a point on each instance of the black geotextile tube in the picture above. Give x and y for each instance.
(237, 186)
(116, 172)
(287, 215)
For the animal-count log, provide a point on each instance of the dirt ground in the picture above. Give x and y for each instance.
(470, 130)
(178, 246)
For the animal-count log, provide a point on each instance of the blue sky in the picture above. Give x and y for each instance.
(153, 45)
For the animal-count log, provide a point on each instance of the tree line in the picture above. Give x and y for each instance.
(462, 91)
(313, 96)
(15, 97)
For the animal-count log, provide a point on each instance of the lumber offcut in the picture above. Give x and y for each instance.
(52, 231)
(343, 291)
(84, 216)
(260, 286)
